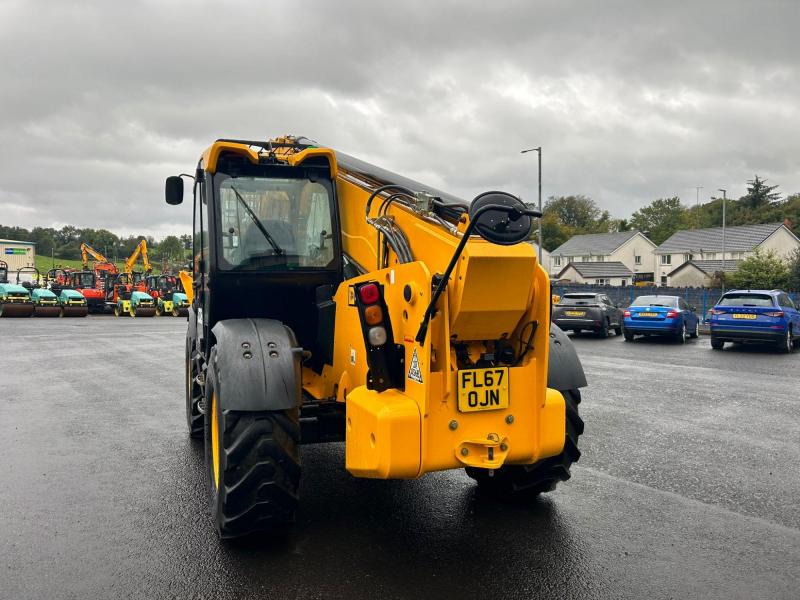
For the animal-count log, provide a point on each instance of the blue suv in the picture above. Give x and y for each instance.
(755, 316)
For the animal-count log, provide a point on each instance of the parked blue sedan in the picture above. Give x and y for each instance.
(661, 315)
(755, 316)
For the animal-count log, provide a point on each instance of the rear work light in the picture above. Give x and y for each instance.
(777, 314)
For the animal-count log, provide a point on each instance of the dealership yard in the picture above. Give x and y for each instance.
(688, 486)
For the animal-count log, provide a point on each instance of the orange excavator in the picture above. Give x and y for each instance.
(91, 282)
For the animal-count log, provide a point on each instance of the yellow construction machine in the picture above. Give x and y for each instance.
(336, 301)
(139, 252)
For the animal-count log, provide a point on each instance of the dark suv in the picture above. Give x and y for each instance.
(588, 312)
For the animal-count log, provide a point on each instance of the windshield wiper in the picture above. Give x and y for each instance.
(278, 250)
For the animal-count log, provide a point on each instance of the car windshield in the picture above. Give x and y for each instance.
(746, 300)
(576, 299)
(274, 223)
(666, 301)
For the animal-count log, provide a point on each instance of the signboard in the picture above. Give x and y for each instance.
(22, 251)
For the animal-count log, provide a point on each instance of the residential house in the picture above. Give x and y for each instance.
(619, 258)
(706, 244)
(699, 273)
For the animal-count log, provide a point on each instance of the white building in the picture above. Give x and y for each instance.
(17, 254)
(706, 245)
(619, 258)
(545, 255)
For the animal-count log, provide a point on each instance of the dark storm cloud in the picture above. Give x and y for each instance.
(630, 100)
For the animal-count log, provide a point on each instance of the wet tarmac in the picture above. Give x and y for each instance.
(688, 486)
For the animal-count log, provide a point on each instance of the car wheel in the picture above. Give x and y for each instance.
(618, 328)
(787, 345)
(603, 331)
(717, 344)
(682, 334)
(628, 336)
(696, 332)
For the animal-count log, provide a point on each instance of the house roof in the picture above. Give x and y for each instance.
(737, 238)
(709, 267)
(599, 269)
(593, 244)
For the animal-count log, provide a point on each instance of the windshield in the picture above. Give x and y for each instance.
(274, 223)
(27, 277)
(667, 301)
(746, 300)
(573, 299)
(84, 280)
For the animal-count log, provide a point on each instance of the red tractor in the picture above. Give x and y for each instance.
(87, 284)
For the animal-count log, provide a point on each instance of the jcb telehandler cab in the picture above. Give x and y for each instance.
(333, 300)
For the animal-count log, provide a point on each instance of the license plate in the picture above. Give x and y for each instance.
(483, 389)
(744, 316)
(648, 314)
(575, 313)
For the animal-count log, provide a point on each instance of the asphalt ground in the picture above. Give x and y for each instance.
(688, 486)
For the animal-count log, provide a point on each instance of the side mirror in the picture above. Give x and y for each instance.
(174, 190)
(501, 218)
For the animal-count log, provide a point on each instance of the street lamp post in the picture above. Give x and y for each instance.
(697, 206)
(724, 197)
(539, 152)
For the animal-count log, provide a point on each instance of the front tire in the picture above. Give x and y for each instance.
(528, 481)
(717, 344)
(628, 336)
(696, 332)
(253, 464)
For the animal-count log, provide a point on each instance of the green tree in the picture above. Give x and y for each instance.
(170, 248)
(661, 218)
(554, 233)
(759, 194)
(761, 270)
(579, 213)
(793, 282)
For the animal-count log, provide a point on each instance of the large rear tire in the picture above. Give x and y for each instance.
(528, 481)
(253, 464)
(194, 394)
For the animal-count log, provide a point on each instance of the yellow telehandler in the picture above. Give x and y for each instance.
(332, 300)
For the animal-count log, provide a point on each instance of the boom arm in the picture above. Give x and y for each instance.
(140, 250)
(86, 251)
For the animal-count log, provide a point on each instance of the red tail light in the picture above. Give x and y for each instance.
(627, 313)
(776, 314)
(369, 293)
(672, 314)
(716, 311)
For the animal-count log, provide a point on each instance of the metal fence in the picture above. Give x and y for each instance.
(701, 298)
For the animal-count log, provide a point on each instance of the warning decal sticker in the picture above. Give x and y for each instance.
(414, 372)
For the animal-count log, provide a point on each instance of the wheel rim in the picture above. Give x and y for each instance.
(696, 329)
(683, 332)
(214, 440)
(789, 341)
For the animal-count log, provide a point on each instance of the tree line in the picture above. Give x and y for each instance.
(65, 243)
(566, 216)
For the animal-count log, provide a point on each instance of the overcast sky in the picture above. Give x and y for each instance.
(632, 101)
